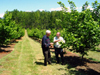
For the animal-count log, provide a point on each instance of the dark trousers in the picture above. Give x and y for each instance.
(57, 52)
(47, 56)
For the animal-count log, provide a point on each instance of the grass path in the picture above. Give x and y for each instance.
(27, 59)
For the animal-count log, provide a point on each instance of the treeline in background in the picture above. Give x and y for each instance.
(56, 19)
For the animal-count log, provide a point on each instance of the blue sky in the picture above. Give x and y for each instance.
(33, 5)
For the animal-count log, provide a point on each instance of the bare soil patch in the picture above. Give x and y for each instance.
(9, 48)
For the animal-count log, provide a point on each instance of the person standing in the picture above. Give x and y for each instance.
(57, 46)
(45, 47)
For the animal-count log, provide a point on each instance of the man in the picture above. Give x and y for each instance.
(45, 47)
(58, 49)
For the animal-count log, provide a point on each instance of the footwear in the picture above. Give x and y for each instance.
(45, 64)
(58, 63)
(62, 64)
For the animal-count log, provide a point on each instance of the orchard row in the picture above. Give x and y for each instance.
(9, 30)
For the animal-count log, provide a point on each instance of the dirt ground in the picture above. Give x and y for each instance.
(8, 49)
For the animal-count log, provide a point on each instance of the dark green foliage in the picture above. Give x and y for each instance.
(9, 29)
(85, 6)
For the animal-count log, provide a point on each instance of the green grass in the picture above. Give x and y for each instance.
(27, 59)
(93, 55)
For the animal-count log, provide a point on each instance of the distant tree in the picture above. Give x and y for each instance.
(85, 6)
(96, 11)
(72, 5)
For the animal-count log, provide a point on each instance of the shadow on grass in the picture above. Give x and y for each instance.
(89, 71)
(3, 46)
(71, 69)
(94, 60)
(41, 59)
(74, 62)
(96, 50)
(53, 59)
(1, 50)
(39, 63)
(82, 71)
(52, 51)
(77, 61)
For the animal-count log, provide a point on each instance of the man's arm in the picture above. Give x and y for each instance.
(55, 40)
(44, 42)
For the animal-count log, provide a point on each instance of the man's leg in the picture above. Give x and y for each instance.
(62, 57)
(45, 58)
(43, 50)
(49, 57)
(56, 53)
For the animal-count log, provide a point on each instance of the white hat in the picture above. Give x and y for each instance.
(48, 31)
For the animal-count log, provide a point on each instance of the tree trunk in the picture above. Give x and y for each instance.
(0, 47)
(82, 57)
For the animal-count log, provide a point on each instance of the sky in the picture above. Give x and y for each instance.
(33, 5)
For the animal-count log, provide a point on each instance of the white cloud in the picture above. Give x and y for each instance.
(28, 11)
(36, 10)
(41, 9)
(69, 10)
(1, 15)
(80, 7)
(59, 9)
(89, 6)
(77, 7)
(56, 9)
